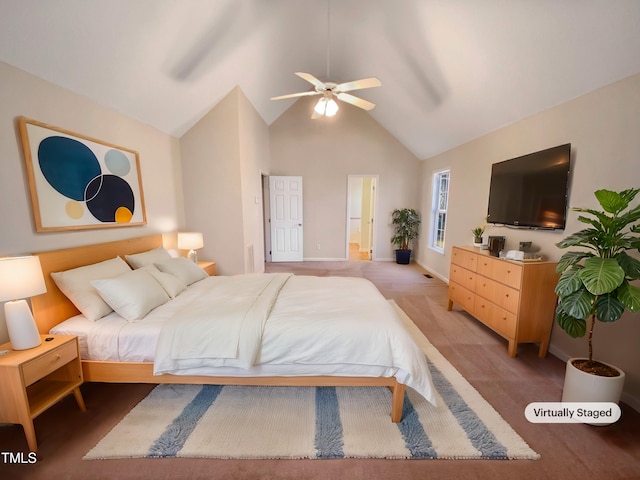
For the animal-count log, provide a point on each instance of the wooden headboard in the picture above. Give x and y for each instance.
(53, 307)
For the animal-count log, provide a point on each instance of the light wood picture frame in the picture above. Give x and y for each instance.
(78, 182)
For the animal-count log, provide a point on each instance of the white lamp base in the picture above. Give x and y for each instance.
(193, 256)
(21, 326)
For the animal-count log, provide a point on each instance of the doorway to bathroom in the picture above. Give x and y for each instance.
(361, 210)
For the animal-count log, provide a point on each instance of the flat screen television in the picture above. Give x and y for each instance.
(531, 190)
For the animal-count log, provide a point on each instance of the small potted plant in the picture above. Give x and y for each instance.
(406, 223)
(595, 284)
(477, 235)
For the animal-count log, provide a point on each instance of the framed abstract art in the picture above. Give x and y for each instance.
(78, 182)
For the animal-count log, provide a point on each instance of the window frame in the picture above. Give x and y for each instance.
(437, 240)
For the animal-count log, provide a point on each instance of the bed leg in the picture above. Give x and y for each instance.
(397, 401)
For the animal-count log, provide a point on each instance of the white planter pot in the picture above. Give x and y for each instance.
(580, 386)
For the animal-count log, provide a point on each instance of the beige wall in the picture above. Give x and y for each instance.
(324, 152)
(22, 94)
(254, 159)
(224, 155)
(603, 129)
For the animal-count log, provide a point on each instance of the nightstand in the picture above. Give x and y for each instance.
(33, 380)
(209, 267)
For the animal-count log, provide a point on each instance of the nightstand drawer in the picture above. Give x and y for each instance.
(43, 365)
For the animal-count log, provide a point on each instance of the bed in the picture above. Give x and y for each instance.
(295, 298)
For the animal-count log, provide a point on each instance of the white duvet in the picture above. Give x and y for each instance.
(272, 324)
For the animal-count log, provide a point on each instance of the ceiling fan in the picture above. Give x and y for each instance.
(330, 91)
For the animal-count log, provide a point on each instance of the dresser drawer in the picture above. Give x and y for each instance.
(485, 287)
(503, 322)
(484, 266)
(506, 297)
(462, 296)
(507, 273)
(483, 310)
(463, 277)
(43, 365)
(464, 258)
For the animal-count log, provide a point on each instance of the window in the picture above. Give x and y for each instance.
(439, 209)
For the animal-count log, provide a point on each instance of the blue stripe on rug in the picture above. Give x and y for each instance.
(415, 437)
(480, 436)
(176, 434)
(328, 440)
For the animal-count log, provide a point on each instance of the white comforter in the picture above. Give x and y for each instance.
(313, 326)
(221, 328)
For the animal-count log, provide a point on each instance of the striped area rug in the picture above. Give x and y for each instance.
(215, 421)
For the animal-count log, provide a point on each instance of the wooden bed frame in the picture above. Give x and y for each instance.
(53, 307)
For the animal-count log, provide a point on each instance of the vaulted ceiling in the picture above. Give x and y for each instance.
(451, 70)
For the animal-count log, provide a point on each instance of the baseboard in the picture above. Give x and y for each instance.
(314, 259)
(432, 273)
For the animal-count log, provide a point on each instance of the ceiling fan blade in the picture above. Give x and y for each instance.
(358, 84)
(358, 102)
(292, 95)
(312, 80)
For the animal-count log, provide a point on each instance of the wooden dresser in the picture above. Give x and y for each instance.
(515, 299)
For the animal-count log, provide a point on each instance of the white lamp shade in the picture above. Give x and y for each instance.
(190, 240)
(20, 277)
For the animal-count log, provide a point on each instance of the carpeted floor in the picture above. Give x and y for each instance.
(568, 452)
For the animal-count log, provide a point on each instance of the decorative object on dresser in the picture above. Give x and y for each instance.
(477, 235)
(191, 241)
(515, 299)
(34, 380)
(20, 277)
(596, 284)
(406, 224)
(496, 245)
(78, 182)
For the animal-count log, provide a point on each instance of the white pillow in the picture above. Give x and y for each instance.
(183, 268)
(132, 295)
(76, 285)
(171, 284)
(139, 260)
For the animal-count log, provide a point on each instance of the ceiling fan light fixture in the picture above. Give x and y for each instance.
(332, 108)
(326, 106)
(321, 106)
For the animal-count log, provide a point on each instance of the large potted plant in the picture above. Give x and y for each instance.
(595, 285)
(406, 223)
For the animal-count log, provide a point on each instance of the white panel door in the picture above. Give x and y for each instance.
(286, 219)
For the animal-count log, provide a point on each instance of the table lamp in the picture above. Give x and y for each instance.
(190, 241)
(20, 278)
